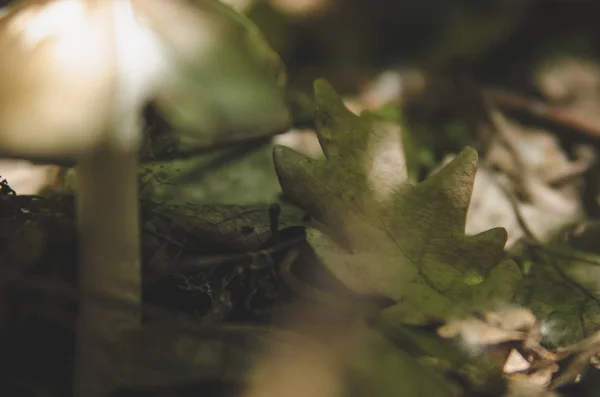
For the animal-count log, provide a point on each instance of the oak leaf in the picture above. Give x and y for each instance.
(381, 235)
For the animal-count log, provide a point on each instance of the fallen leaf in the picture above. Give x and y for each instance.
(242, 175)
(526, 170)
(515, 363)
(381, 235)
(240, 228)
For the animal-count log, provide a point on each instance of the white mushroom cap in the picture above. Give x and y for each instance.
(57, 77)
(70, 69)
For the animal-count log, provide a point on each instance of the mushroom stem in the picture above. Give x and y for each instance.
(109, 262)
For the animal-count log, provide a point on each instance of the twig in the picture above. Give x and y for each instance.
(510, 100)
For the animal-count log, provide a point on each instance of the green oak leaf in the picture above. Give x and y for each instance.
(379, 234)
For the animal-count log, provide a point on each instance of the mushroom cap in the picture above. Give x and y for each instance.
(74, 72)
(56, 77)
(230, 83)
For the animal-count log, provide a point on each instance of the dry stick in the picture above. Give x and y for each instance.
(529, 235)
(510, 100)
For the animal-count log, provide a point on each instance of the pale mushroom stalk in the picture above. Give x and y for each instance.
(108, 213)
(110, 265)
(63, 96)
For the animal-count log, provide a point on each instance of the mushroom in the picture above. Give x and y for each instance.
(75, 76)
